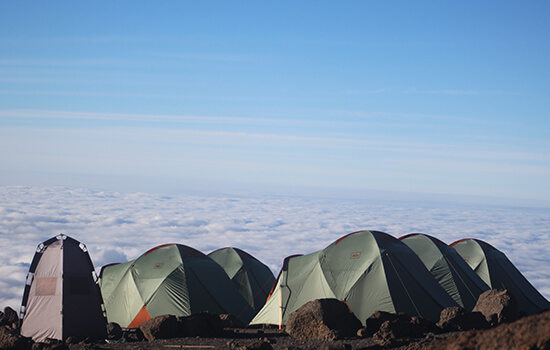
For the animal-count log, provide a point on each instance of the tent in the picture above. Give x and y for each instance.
(448, 268)
(368, 270)
(252, 278)
(169, 279)
(498, 272)
(61, 298)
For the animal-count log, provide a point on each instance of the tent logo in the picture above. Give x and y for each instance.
(158, 266)
(355, 255)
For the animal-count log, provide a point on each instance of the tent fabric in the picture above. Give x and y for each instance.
(251, 277)
(497, 271)
(368, 270)
(169, 279)
(61, 298)
(448, 268)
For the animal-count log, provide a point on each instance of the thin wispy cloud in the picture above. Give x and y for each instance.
(351, 120)
(213, 57)
(183, 135)
(417, 91)
(63, 63)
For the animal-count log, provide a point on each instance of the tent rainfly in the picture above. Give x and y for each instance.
(448, 268)
(250, 276)
(169, 279)
(61, 298)
(368, 270)
(497, 271)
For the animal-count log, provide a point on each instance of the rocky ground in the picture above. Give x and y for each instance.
(527, 333)
(320, 324)
(234, 339)
(531, 332)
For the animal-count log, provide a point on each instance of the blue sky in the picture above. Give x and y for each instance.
(433, 97)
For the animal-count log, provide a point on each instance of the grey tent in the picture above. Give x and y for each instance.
(497, 271)
(61, 298)
(368, 270)
(448, 268)
(169, 279)
(252, 278)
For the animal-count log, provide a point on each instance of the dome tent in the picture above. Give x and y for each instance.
(251, 277)
(497, 271)
(169, 279)
(61, 298)
(448, 268)
(368, 270)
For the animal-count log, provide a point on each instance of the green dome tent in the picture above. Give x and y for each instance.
(252, 278)
(169, 279)
(368, 270)
(448, 268)
(61, 298)
(497, 271)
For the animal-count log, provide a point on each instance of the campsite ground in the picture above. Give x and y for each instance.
(241, 337)
(531, 332)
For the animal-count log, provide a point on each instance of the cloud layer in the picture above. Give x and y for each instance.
(121, 226)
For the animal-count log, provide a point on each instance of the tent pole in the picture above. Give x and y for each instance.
(280, 310)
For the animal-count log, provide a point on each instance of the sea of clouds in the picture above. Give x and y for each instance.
(118, 227)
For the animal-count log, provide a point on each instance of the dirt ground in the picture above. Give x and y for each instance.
(240, 337)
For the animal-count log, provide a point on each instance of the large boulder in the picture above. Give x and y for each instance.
(498, 306)
(458, 319)
(160, 327)
(531, 332)
(322, 319)
(202, 324)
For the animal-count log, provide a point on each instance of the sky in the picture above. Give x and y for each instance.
(445, 98)
(275, 127)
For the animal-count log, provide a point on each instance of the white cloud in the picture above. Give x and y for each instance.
(121, 226)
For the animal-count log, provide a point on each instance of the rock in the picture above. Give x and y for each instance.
(400, 328)
(132, 335)
(200, 325)
(232, 344)
(50, 341)
(364, 333)
(458, 319)
(532, 332)
(38, 346)
(160, 327)
(230, 321)
(9, 340)
(9, 318)
(375, 320)
(72, 340)
(59, 346)
(498, 306)
(394, 332)
(421, 326)
(260, 345)
(114, 331)
(322, 319)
